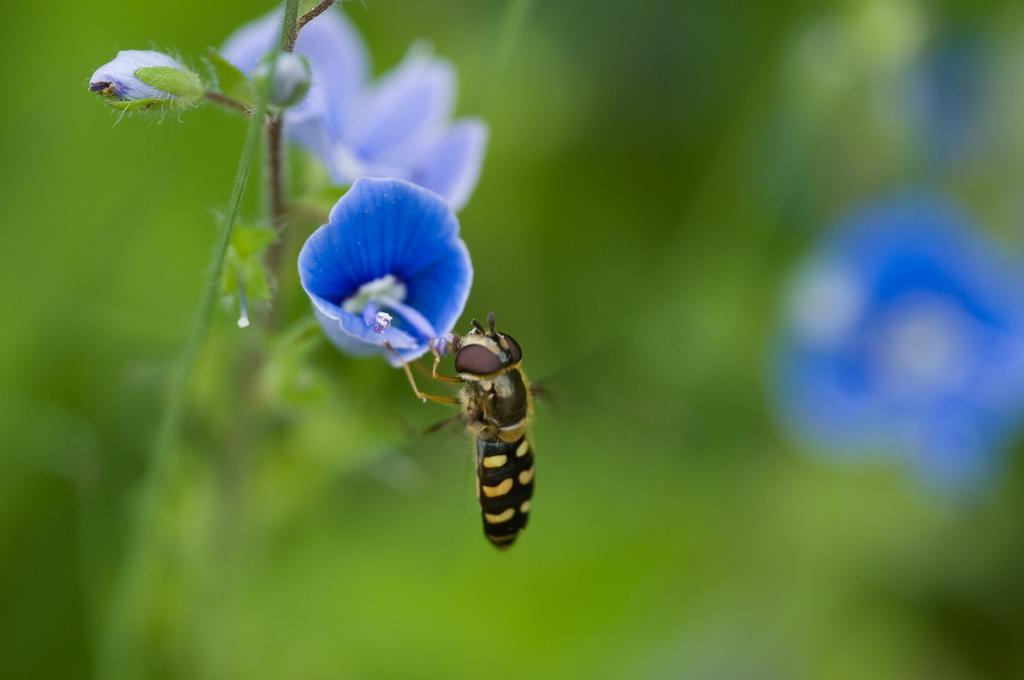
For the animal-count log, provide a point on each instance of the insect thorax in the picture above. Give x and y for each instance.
(500, 402)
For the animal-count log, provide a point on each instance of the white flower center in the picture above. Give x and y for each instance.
(382, 292)
(826, 304)
(924, 347)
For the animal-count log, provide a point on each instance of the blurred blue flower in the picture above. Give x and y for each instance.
(388, 267)
(904, 333)
(401, 126)
(117, 80)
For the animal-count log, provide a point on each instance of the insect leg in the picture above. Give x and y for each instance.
(441, 424)
(422, 396)
(437, 360)
(421, 369)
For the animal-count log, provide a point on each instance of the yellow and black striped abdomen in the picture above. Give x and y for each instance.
(504, 472)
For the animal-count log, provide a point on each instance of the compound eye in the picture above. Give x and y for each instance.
(515, 353)
(478, 360)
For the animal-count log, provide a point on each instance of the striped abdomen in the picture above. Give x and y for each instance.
(504, 472)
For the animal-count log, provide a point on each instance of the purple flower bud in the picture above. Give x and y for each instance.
(117, 79)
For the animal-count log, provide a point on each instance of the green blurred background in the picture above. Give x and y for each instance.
(655, 170)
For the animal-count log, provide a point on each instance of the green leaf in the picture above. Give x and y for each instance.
(244, 262)
(230, 80)
(140, 104)
(257, 280)
(183, 84)
(250, 241)
(250, 273)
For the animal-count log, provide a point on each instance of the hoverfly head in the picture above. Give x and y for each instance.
(485, 351)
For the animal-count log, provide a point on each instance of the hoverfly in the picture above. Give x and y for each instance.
(496, 407)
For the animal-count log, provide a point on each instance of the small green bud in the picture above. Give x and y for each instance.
(292, 78)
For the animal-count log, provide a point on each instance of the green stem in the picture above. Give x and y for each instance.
(289, 26)
(276, 190)
(288, 44)
(125, 644)
(227, 101)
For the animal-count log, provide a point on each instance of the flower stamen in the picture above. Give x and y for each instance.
(381, 322)
(386, 292)
(413, 318)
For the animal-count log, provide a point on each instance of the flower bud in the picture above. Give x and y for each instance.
(292, 78)
(140, 79)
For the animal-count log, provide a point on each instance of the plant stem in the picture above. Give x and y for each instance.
(276, 176)
(320, 8)
(124, 646)
(503, 46)
(278, 198)
(276, 190)
(227, 101)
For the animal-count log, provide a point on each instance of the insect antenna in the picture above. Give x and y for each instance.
(490, 323)
(476, 325)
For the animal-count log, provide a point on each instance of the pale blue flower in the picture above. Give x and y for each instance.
(388, 268)
(904, 333)
(399, 126)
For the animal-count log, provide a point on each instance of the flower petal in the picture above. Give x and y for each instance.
(349, 333)
(247, 45)
(403, 116)
(959, 450)
(451, 167)
(306, 125)
(440, 291)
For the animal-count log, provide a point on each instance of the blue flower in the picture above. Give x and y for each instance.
(401, 126)
(117, 80)
(904, 333)
(388, 268)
